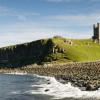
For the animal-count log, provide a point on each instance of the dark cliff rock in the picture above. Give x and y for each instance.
(25, 54)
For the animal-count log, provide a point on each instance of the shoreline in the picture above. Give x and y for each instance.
(84, 75)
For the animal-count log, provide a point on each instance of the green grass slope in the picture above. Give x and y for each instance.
(53, 50)
(77, 51)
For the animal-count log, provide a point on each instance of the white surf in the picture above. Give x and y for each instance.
(59, 90)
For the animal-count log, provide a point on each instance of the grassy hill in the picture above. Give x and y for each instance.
(55, 50)
(79, 50)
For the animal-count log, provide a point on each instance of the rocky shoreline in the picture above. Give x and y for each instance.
(85, 75)
(82, 84)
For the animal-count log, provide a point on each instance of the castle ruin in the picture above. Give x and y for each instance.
(96, 31)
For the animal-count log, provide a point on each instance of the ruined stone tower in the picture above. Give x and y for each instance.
(96, 31)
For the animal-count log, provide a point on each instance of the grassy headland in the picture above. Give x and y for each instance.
(52, 50)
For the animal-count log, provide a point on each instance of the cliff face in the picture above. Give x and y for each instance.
(24, 54)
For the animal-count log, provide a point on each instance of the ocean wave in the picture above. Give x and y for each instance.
(59, 90)
(17, 73)
(15, 92)
(53, 88)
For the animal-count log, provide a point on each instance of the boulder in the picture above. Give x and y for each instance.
(90, 87)
(46, 90)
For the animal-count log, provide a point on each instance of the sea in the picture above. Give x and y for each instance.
(21, 86)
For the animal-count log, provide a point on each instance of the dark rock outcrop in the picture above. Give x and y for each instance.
(25, 54)
(47, 90)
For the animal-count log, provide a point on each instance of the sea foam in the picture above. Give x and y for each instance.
(51, 87)
(17, 73)
(59, 90)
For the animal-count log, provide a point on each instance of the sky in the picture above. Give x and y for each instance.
(28, 20)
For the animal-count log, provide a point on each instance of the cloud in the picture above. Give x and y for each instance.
(21, 33)
(80, 19)
(4, 11)
(26, 32)
(50, 26)
(23, 15)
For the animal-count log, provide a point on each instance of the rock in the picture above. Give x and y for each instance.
(90, 87)
(46, 90)
(48, 83)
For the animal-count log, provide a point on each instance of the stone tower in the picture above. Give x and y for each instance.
(96, 31)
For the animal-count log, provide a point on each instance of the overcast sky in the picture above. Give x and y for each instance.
(27, 20)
